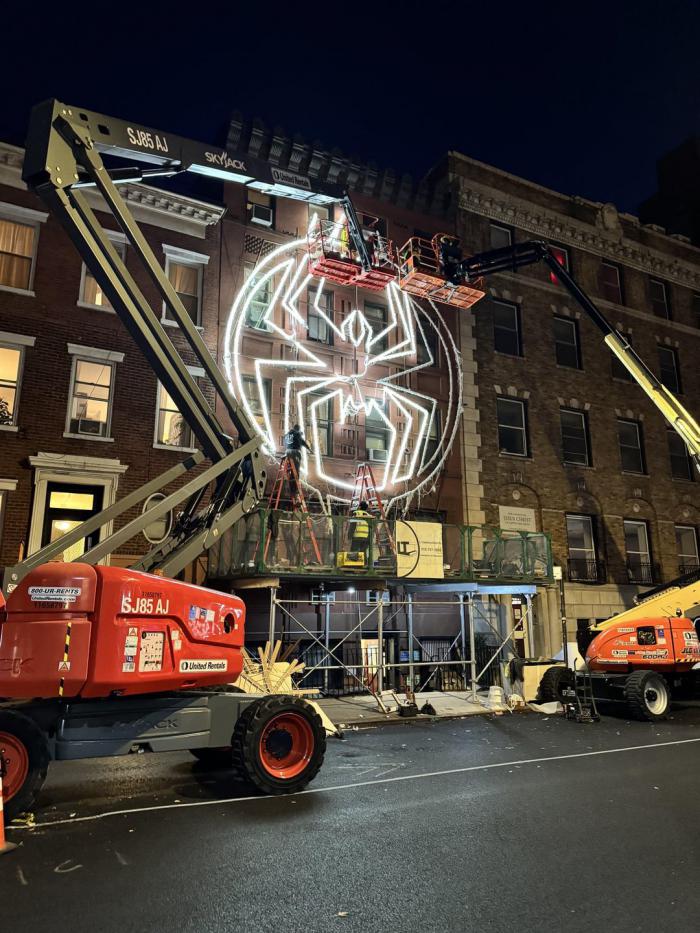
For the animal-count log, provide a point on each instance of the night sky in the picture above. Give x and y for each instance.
(580, 97)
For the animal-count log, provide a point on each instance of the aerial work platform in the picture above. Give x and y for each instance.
(332, 256)
(422, 274)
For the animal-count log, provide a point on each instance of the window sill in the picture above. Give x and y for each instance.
(91, 307)
(88, 437)
(634, 473)
(578, 466)
(18, 291)
(510, 356)
(507, 454)
(166, 322)
(12, 428)
(570, 369)
(180, 450)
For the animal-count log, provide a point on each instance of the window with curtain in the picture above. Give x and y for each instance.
(90, 291)
(186, 279)
(171, 428)
(16, 253)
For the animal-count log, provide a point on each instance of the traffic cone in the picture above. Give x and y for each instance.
(4, 845)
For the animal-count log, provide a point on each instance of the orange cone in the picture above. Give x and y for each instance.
(4, 845)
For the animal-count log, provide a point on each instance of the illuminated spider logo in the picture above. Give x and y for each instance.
(419, 439)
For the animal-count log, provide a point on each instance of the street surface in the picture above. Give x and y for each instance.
(511, 823)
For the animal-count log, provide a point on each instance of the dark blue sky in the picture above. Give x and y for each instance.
(581, 97)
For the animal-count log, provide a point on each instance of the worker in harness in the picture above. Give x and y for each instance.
(294, 442)
(360, 529)
(450, 256)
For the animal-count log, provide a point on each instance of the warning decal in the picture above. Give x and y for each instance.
(151, 654)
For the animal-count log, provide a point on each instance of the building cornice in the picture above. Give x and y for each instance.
(606, 240)
(149, 205)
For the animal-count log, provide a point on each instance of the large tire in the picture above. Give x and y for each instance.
(278, 744)
(554, 681)
(24, 759)
(647, 695)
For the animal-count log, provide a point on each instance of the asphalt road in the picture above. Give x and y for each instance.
(512, 823)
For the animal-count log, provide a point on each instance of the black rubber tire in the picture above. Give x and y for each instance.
(34, 741)
(554, 680)
(246, 742)
(639, 688)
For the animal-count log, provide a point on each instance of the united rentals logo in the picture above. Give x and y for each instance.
(291, 178)
(224, 160)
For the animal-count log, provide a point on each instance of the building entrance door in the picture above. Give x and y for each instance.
(67, 505)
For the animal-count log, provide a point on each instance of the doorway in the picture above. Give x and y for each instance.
(67, 505)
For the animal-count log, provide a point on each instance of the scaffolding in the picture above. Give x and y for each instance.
(386, 644)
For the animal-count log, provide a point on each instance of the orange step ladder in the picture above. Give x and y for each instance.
(287, 472)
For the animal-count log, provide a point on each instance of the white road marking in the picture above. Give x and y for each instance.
(369, 783)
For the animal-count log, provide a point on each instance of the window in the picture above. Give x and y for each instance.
(3, 495)
(376, 316)
(320, 211)
(639, 567)
(261, 208)
(376, 434)
(431, 444)
(610, 282)
(259, 300)
(91, 295)
(90, 407)
(67, 506)
(668, 367)
(185, 270)
(500, 236)
(631, 450)
(323, 414)
(681, 464)
(658, 297)
(252, 393)
(506, 328)
(18, 247)
(562, 254)
(687, 545)
(696, 308)
(583, 563)
(10, 376)
(618, 370)
(318, 327)
(566, 343)
(512, 427)
(574, 437)
(427, 351)
(171, 428)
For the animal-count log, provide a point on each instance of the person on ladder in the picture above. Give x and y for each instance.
(360, 529)
(294, 442)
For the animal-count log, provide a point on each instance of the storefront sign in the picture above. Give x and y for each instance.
(419, 550)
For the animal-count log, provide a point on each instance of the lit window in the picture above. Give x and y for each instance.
(260, 298)
(658, 296)
(90, 407)
(610, 282)
(668, 366)
(574, 437)
(512, 427)
(376, 316)
(90, 292)
(10, 375)
(566, 343)
(681, 464)
(562, 255)
(631, 449)
(318, 328)
(687, 545)
(17, 249)
(500, 236)
(506, 328)
(171, 428)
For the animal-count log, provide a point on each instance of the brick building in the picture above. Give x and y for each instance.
(560, 438)
(83, 420)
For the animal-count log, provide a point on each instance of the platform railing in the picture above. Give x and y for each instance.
(284, 544)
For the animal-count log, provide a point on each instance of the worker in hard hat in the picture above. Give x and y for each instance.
(359, 522)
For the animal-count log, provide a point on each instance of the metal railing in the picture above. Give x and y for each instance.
(280, 543)
(641, 571)
(688, 566)
(582, 570)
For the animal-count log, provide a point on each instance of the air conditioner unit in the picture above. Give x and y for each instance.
(260, 214)
(378, 456)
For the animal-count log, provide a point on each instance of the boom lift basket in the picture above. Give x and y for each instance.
(421, 274)
(331, 255)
